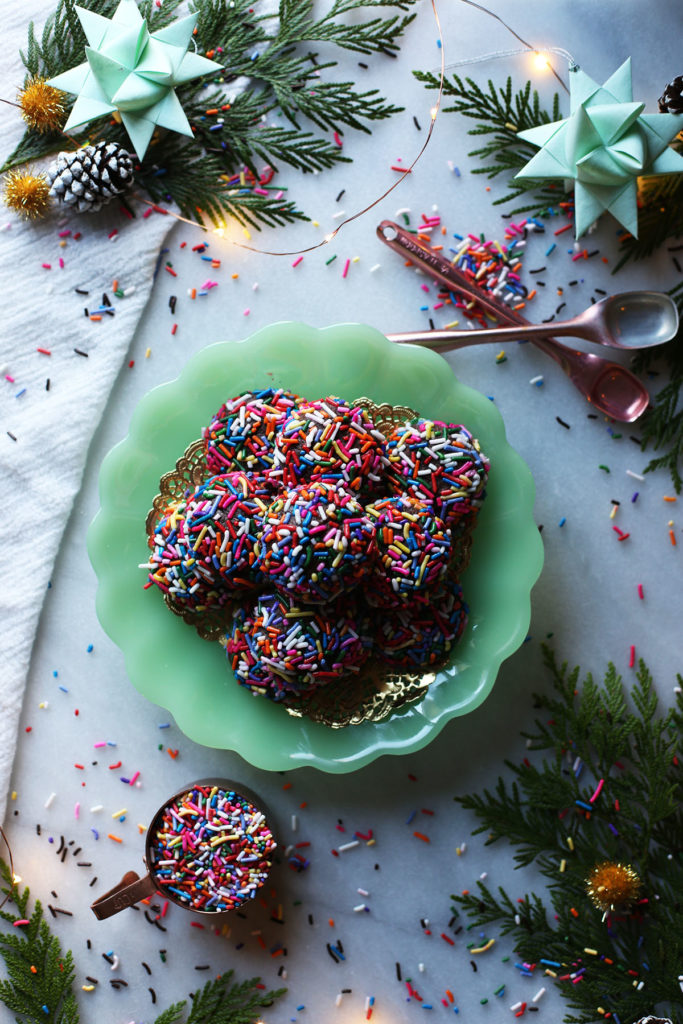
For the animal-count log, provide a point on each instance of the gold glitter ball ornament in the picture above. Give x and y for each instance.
(613, 886)
(27, 193)
(42, 106)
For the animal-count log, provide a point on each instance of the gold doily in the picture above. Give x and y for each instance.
(374, 693)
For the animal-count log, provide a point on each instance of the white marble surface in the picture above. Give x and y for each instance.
(586, 597)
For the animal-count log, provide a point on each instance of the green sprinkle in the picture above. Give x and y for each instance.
(331, 260)
(483, 1001)
(606, 468)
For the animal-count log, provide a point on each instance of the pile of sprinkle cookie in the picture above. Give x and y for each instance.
(309, 522)
(210, 849)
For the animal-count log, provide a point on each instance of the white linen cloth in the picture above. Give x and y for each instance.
(41, 470)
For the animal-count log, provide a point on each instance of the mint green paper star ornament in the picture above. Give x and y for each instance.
(133, 71)
(604, 145)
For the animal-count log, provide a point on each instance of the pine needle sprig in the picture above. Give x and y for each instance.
(223, 1002)
(39, 983)
(592, 732)
(376, 35)
(502, 113)
(662, 424)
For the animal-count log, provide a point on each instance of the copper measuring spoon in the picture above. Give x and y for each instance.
(608, 386)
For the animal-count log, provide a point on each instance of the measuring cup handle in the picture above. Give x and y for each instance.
(131, 889)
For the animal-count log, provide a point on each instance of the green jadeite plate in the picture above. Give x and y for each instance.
(172, 666)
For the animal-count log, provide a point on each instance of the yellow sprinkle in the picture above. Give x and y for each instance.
(570, 842)
(316, 224)
(552, 974)
(371, 842)
(600, 1010)
(14, 794)
(148, 352)
(458, 851)
(614, 511)
(119, 813)
(355, 259)
(512, 127)
(563, 864)
(43, 704)
(88, 988)
(593, 952)
(453, 323)
(142, 828)
(482, 949)
(246, 233)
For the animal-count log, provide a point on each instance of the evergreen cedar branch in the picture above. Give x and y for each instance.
(284, 78)
(500, 114)
(635, 750)
(26, 992)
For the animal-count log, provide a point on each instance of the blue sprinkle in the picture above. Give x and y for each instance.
(550, 249)
(456, 171)
(562, 521)
(586, 807)
(90, 648)
(635, 496)
(45, 1009)
(95, 833)
(18, 395)
(612, 829)
(55, 673)
(63, 689)
(410, 817)
(550, 963)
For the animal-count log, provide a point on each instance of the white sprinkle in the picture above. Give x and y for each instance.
(361, 906)
(639, 986)
(518, 920)
(130, 290)
(421, 968)
(376, 267)
(96, 808)
(115, 963)
(515, 1007)
(284, 973)
(363, 892)
(636, 476)
(463, 847)
(535, 380)
(254, 286)
(294, 823)
(528, 744)
(538, 995)
(338, 1000)
(483, 876)
(338, 214)
(48, 802)
(404, 209)
(348, 846)
(6, 227)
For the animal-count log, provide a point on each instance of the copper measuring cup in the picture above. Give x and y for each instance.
(132, 888)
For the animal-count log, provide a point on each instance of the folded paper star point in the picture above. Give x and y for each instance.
(133, 71)
(604, 145)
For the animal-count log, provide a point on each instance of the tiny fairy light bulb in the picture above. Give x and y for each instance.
(27, 193)
(42, 106)
(540, 61)
(613, 886)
